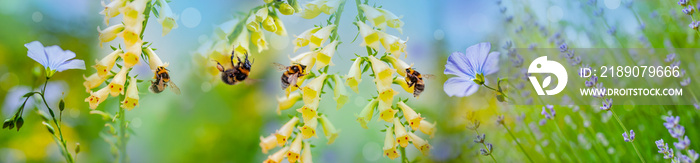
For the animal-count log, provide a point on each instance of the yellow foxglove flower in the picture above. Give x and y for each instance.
(112, 9)
(393, 44)
(258, 39)
(402, 82)
(131, 36)
(284, 103)
(221, 53)
(377, 18)
(308, 111)
(286, 9)
(241, 43)
(383, 74)
(386, 93)
(411, 116)
(370, 36)
(223, 30)
(340, 95)
(277, 156)
(261, 14)
(330, 6)
(105, 65)
(366, 113)
(427, 128)
(309, 128)
(92, 82)
(386, 113)
(354, 76)
(109, 33)
(131, 57)
(251, 24)
(323, 58)
(132, 95)
(267, 143)
(269, 24)
(312, 90)
(398, 64)
(400, 132)
(279, 26)
(419, 143)
(303, 38)
(306, 154)
(328, 129)
(133, 13)
(312, 9)
(167, 18)
(116, 87)
(390, 145)
(97, 97)
(392, 20)
(320, 36)
(285, 131)
(294, 150)
(153, 59)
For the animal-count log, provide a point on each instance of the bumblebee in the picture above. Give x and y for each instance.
(238, 73)
(291, 74)
(415, 79)
(162, 80)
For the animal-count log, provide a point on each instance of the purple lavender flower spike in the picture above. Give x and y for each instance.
(631, 135)
(670, 57)
(682, 144)
(624, 135)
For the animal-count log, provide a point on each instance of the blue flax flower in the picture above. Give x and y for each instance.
(53, 58)
(470, 69)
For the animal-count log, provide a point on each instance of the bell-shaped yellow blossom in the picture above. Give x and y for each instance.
(306, 154)
(370, 36)
(398, 64)
(366, 113)
(309, 111)
(328, 129)
(269, 24)
(419, 143)
(97, 97)
(320, 36)
(330, 6)
(312, 9)
(285, 131)
(323, 58)
(259, 41)
(223, 30)
(261, 14)
(267, 143)
(386, 93)
(221, 53)
(383, 74)
(279, 26)
(309, 128)
(402, 82)
(286, 9)
(354, 76)
(400, 132)
(377, 18)
(132, 95)
(153, 59)
(386, 113)
(390, 145)
(109, 33)
(93, 81)
(105, 65)
(131, 36)
(392, 20)
(241, 43)
(116, 87)
(410, 115)
(340, 95)
(303, 39)
(131, 57)
(166, 18)
(427, 128)
(251, 24)
(393, 44)
(294, 150)
(312, 91)
(134, 13)
(284, 103)
(112, 9)
(277, 156)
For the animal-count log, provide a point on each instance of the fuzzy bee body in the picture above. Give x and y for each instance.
(238, 73)
(291, 74)
(162, 81)
(415, 79)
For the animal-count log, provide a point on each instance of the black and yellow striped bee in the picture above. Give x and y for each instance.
(415, 79)
(291, 74)
(238, 73)
(162, 80)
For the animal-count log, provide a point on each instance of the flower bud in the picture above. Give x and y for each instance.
(286, 9)
(279, 26)
(259, 41)
(269, 24)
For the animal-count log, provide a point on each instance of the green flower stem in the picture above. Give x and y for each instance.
(517, 142)
(486, 148)
(122, 132)
(404, 159)
(567, 142)
(61, 140)
(147, 13)
(625, 130)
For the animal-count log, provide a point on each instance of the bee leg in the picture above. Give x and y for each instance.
(220, 67)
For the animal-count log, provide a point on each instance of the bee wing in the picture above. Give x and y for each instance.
(250, 81)
(279, 66)
(427, 76)
(293, 79)
(174, 88)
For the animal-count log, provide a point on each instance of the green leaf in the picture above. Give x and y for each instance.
(113, 48)
(28, 94)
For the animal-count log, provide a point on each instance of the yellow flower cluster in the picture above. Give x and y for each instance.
(316, 7)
